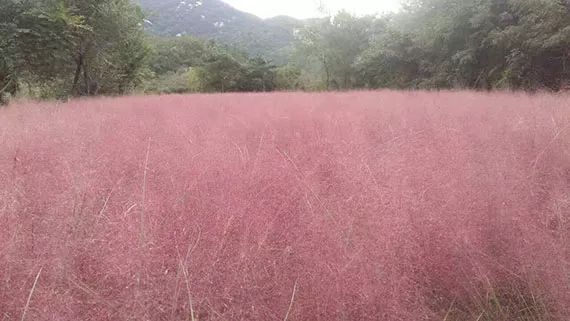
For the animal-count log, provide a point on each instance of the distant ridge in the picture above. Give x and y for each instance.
(214, 19)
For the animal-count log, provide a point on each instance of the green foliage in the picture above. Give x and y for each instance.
(112, 56)
(335, 44)
(34, 39)
(481, 44)
(91, 46)
(221, 72)
(288, 78)
(392, 62)
(57, 48)
(170, 83)
(187, 64)
(259, 75)
(170, 54)
(194, 80)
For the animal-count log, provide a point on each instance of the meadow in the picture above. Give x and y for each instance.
(393, 206)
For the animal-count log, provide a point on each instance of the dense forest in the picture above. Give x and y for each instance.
(65, 48)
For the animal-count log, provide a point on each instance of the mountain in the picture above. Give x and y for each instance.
(216, 20)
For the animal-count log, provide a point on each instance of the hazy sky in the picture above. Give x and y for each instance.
(309, 8)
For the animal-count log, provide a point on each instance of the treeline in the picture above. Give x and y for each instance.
(430, 44)
(186, 64)
(62, 48)
(476, 44)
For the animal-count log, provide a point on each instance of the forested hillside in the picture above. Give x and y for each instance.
(216, 20)
(62, 48)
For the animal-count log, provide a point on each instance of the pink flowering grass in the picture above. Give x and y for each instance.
(343, 206)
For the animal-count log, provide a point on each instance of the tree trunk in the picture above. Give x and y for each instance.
(79, 61)
(565, 77)
(4, 97)
(5, 88)
(347, 82)
(327, 72)
(87, 81)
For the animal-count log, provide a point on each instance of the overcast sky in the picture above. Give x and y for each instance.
(309, 8)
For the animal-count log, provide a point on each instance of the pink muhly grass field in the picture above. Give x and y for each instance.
(342, 206)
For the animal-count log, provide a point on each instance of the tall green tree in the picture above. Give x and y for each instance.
(35, 38)
(172, 54)
(336, 43)
(111, 53)
(537, 43)
(480, 44)
(82, 46)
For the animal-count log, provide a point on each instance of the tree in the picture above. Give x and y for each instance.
(537, 43)
(393, 61)
(258, 75)
(34, 39)
(86, 44)
(336, 43)
(481, 44)
(288, 78)
(111, 53)
(172, 54)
